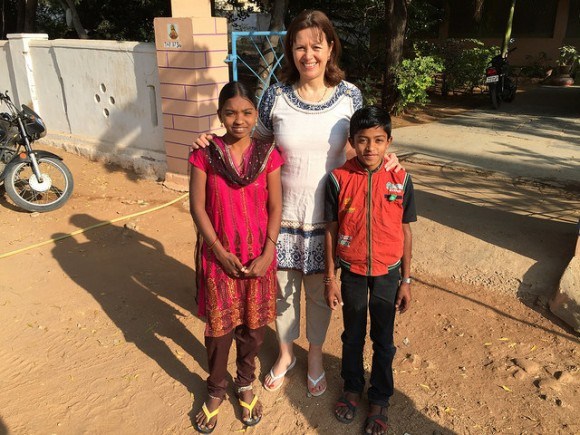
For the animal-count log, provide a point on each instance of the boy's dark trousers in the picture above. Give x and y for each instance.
(248, 343)
(377, 295)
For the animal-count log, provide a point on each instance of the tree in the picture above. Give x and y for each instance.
(508, 29)
(277, 14)
(395, 26)
(26, 20)
(69, 6)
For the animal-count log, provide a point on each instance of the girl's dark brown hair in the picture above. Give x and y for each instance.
(311, 19)
(235, 89)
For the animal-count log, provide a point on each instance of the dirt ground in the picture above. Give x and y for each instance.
(98, 334)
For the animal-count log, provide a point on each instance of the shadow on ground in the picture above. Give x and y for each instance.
(140, 288)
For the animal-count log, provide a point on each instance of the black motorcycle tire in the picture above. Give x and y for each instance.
(18, 188)
(511, 93)
(494, 96)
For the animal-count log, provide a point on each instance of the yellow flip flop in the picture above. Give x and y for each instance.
(208, 415)
(252, 421)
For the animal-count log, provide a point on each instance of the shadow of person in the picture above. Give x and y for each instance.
(140, 288)
(3, 428)
(319, 411)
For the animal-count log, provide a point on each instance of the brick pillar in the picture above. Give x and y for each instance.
(190, 58)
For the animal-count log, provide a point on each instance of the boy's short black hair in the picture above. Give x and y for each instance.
(369, 117)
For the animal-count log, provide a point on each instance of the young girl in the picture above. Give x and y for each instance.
(236, 204)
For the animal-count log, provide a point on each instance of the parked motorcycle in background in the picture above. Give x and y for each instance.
(501, 86)
(35, 180)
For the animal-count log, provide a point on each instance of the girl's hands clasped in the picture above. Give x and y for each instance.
(231, 264)
(259, 266)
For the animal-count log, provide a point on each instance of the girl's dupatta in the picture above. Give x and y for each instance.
(222, 163)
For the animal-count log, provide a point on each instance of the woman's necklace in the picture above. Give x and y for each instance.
(321, 98)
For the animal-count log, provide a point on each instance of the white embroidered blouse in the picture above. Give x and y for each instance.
(311, 138)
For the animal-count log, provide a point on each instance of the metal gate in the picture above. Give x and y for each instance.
(255, 59)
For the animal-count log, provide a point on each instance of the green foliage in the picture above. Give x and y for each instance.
(414, 77)
(424, 18)
(464, 61)
(370, 88)
(536, 66)
(569, 56)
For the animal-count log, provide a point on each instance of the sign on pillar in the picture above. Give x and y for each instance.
(191, 55)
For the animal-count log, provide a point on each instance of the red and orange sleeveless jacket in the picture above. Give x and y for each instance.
(370, 218)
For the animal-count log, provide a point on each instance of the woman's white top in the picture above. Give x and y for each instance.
(312, 139)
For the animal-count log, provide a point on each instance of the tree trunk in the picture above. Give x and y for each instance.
(278, 12)
(3, 20)
(29, 19)
(76, 21)
(20, 15)
(508, 30)
(395, 25)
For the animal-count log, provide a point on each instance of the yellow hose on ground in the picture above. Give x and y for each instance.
(100, 224)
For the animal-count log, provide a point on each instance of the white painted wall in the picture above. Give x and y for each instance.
(99, 99)
(6, 81)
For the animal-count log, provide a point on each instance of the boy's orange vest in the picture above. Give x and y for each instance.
(370, 218)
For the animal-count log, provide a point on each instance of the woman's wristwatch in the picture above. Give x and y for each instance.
(407, 280)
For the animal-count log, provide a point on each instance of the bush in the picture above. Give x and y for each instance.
(464, 61)
(536, 66)
(414, 77)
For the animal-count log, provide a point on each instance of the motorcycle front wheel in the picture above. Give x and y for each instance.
(494, 95)
(28, 193)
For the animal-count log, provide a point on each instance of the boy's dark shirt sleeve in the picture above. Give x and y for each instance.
(409, 211)
(331, 201)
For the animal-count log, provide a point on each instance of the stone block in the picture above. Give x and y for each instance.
(175, 92)
(177, 166)
(216, 58)
(190, 123)
(177, 150)
(183, 59)
(190, 8)
(174, 181)
(203, 92)
(566, 302)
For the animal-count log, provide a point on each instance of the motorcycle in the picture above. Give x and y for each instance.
(497, 77)
(35, 180)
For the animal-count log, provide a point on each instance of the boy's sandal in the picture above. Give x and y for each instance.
(274, 378)
(251, 420)
(343, 402)
(208, 415)
(379, 419)
(314, 383)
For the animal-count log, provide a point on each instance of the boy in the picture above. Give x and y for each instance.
(368, 210)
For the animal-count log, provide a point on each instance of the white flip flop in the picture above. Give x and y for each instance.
(274, 377)
(315, 382)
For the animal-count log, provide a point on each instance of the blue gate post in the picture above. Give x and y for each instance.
(234, 57)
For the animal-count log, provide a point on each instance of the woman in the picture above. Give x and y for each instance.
(308, 117)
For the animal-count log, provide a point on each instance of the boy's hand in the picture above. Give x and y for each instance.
(392, 163)
(403, 300)
(332, 295)
(203, 140)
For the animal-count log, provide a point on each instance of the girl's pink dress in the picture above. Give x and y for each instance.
(239, 216)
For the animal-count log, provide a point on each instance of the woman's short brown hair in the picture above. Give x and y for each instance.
(311, 19)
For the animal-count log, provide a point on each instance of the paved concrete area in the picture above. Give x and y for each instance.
(536, 136)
